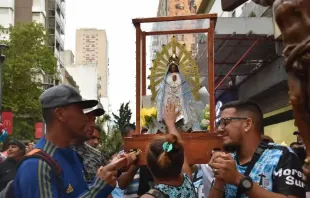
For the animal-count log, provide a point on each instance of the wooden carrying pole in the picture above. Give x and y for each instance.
(138, 76)
(211, 74)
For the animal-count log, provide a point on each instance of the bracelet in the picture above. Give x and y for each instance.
(218, 189)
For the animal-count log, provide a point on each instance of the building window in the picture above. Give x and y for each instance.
(182, 37)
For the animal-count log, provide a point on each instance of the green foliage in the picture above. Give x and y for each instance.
(27, 58)
(124, 116)
(102, 121)
(252, 14)
(112, 143)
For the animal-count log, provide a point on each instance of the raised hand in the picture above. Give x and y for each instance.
(171, 114)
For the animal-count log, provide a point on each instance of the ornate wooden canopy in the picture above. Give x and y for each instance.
(198, 146)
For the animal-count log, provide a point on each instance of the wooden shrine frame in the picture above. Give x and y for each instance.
(194, 141)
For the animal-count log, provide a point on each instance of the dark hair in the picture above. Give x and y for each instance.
(48, 115)
(164, 164)
(248, 106)
(295, 143)
(19, 144)
(267, 138)
(170, 67)
(128, 128)
(299, 150)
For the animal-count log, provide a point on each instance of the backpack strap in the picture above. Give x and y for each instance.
(157, 193)
(42, 155)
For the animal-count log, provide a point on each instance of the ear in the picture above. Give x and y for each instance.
(248, 125)
(59, 114)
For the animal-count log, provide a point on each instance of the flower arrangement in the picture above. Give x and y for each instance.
(205, 121)
(148, 118)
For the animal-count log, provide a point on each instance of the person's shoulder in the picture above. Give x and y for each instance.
(28, 164)
(32, 167)
(31, 170)
(147, 196)
(284, 150)
(92, 149)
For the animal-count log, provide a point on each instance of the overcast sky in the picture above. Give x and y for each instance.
(115, 17)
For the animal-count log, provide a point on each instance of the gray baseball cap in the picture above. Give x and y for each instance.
(97, 110)
(63, 95)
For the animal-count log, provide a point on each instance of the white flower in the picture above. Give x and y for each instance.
(205, 123)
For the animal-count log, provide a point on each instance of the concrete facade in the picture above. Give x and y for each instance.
(92, 48)
(86, 78)
(23, 11)
(56, 27)
(175, 8)
(7, 16)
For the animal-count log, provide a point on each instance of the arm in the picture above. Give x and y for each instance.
(42, 182)
(218, 189)
(290, 185)
(125, 179)
(170, 117)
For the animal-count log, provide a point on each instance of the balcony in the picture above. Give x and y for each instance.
(59, 39)
(59, 57)
(60, 22)
(7, 4)
(61, 6)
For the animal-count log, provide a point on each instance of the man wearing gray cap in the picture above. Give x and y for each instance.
(92, 158)
(65, 120)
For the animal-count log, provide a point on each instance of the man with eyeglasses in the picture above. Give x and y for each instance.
(250, 167)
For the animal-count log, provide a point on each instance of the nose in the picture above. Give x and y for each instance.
(220, 130)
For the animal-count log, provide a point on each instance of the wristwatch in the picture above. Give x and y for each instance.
(245, 184)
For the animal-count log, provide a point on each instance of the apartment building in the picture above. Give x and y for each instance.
(50, 13)
(175, 8)
(92, 48)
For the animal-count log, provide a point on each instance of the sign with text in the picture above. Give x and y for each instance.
(7, 121)
(38, 130)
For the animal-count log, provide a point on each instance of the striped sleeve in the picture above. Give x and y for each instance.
(34, 180)
(97, 188)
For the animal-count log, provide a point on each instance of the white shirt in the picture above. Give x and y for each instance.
(207, 176)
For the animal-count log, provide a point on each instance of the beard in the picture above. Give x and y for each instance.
(231, 147)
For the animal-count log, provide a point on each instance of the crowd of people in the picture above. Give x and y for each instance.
(67, 163)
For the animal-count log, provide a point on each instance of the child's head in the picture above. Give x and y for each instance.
(165, 156)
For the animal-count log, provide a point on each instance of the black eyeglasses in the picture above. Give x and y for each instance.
(225, 121)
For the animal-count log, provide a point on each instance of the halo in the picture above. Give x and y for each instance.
(174, 52)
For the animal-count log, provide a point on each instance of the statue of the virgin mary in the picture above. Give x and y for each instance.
(174, 89)
(175, 79)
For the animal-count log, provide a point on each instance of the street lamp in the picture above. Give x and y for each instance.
(3, 47)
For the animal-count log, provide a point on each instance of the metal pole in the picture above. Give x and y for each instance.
(2, 58)
(237, 64)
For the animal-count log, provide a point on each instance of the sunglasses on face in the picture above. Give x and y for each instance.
(225, 121)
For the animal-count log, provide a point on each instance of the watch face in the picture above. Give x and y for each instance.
(246, 183)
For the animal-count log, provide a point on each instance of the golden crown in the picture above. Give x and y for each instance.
(174, 59)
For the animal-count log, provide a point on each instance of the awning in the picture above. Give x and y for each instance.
(242, 46)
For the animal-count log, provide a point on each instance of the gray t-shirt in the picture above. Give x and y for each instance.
(92, 159)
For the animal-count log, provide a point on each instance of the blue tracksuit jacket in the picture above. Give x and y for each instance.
(34, 178)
